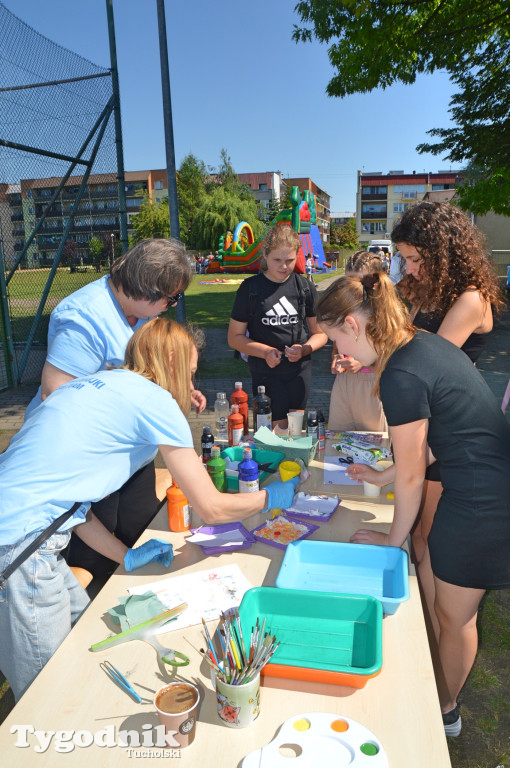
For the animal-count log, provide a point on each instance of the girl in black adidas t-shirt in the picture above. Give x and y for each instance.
(276, 308)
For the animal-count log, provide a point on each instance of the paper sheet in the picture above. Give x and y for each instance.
(207, 593)
(222, 539)
(334, 472)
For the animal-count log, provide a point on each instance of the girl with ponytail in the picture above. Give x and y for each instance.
(437, 406)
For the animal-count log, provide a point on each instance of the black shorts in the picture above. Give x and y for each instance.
(288, 391)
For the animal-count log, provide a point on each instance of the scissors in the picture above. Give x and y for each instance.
(346, 460)
(114, 674)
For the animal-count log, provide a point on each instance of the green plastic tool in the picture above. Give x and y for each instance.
(146, 630)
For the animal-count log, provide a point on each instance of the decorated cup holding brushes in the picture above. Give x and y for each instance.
(238, 705)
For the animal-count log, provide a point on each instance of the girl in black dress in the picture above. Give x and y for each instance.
(451, 290)
(437, 406)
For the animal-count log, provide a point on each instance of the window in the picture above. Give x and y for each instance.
(262, 187)
(373, 227)
(440, 187)
(158, 185)
(373, 208)
(374, 190)
(133, 202)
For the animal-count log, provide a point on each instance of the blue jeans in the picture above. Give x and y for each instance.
(39, 604)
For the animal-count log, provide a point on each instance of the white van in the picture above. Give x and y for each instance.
(374, 245)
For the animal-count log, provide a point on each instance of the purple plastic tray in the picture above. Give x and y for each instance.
(224, 528)
(309, 529)
(304, 514)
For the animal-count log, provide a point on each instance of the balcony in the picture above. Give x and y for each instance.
(14, 200)
(19, 246)
(373, 215)
(17, 216)
(374, 196)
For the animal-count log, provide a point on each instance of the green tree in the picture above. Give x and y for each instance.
(152, 219)
(191, 180)
(222, 210)
(345, 235)
(96, 247)
(374, 43)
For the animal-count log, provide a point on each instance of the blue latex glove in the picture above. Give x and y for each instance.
(281, 494)
(154, 550)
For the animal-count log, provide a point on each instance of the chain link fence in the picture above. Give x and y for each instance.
(59, 193)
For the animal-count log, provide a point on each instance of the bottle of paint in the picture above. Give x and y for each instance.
(221, 412)
(235, 426)
(248, 473)
(262, 416)
(207, 443)
(179, 518)
(240, 397)
(321, 431)
(312, 426)
(216, 468)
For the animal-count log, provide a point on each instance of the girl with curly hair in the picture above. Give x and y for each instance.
(452, 290)
(438, 406)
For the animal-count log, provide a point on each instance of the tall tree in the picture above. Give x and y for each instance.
(222, 210)
(374, 43)
(191, 178)
(152, 219)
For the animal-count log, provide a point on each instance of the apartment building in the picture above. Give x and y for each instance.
(381, 198)
(340, 218)
(96, 215)
(265, 187)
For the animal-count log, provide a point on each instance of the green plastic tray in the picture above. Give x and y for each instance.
(235, 453)
(317, 630)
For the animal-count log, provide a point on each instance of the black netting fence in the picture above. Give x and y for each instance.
(59, 194)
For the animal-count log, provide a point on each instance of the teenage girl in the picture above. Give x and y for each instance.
(452, 290)
(353, 405)
(438, 406)
(283, 330)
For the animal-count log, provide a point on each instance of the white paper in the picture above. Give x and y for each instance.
(222, 539)
(334, 472)
(207, 594)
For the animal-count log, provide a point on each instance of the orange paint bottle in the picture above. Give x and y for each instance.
(179, 518)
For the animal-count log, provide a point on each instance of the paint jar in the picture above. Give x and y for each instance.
(216, 467)
(235, 426)
(179, 518)
(238, 705)
(248, 473)
(240, 397)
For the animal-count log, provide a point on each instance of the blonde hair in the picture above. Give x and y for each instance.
(388, 326)
(363, 261)
(279, 236)
(161, 351)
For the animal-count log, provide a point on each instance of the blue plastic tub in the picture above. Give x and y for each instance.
(361, 569)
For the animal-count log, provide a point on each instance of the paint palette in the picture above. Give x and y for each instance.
(320, 739)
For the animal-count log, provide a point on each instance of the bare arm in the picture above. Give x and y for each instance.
(469, 314)
(99, 538)
(316, 340)
(52, 378)
(212, 506)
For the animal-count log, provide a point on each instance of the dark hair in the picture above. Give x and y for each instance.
(454, 254)
(372, 295)
(152, 269)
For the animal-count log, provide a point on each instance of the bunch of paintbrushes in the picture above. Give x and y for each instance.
(232, 661)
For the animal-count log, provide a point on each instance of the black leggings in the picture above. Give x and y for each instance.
(126, 513)
(288, 391)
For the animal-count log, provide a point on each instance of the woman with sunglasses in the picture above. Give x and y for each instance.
(89, 331)
(438, 406)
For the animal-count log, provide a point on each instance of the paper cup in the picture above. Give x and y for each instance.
(176, 705)
(238, 705)
(295, 421)
(289, 469)
(371, 490)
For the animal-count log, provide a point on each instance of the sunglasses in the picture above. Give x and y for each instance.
(174, 299)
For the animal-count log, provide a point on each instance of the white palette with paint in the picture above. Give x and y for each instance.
(320, 739)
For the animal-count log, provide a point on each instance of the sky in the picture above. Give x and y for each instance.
(239, 82)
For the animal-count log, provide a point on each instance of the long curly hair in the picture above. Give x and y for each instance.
(454, 253)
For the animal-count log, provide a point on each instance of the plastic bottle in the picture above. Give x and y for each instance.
(240, 397)
(216, 469)
(312, 426)
(248, 473)
(221, 413)
(235, 426)
(321, 422)
(262, 416)
(207, 443)
(179, 518)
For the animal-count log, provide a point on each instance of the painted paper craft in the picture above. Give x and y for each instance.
(283, 529)
(215, 539)
(312, 506)
(334, 472)
(207, 594)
